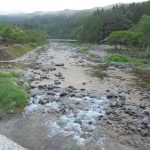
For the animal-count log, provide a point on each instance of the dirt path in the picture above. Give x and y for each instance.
(72, 103)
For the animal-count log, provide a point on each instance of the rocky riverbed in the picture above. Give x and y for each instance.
(78, 103)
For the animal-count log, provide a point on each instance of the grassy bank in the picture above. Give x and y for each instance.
(13, 97)
(84, 50)
(124, 59)
(17, 50)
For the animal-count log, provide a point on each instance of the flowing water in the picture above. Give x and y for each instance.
(65, 123)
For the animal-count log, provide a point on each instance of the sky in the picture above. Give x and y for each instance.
(14, 6)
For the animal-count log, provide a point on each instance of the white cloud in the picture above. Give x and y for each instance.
(53, 5)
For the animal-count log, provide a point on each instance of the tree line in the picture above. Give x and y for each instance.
(14, 34)
(123, 25)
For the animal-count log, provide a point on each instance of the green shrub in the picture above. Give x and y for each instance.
(144, 63)
(10, 75)
(118, 58)
(13, 97)
(137, 62)
(84, 50)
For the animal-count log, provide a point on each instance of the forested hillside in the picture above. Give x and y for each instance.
(124, 17)
(93, 25)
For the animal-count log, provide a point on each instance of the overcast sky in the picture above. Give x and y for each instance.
(54, 5)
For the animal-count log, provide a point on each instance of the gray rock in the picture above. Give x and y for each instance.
(9, 66)
(111, 96)
(46, 69)
(50, 87)
(52, 69)
(59, 75)
(137, 140)
(37, 67)
(33, 85)
(42, 86)
(144, 132)
(59, 64)
(57, 82)
(43, 76)
(36, 91)
(109, 111)
(147, 111)
(70, 89)
(63, 94)
(113, 103)
(146, 120)
(44, 101)
(84, 83)
(81, 61)
(30, 77)
(82, 89)
(78, 95)
(51, 93)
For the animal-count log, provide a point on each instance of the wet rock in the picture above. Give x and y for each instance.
(51, 93)
(63, 94)
(72, 94)
(44, 101)
(78, 95)
(86, 135)
(109, 111)
(142, 105)
(146, 120)
(59, 64)
(42, 86)
(86, 128)
(34, 101)
(111, 96)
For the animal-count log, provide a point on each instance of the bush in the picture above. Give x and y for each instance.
(13, 98)
(84, 50)
(118, 58)
(143, 63)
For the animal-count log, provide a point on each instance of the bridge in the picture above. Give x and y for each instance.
(63, 40)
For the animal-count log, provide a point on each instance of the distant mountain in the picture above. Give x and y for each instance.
(67, 12)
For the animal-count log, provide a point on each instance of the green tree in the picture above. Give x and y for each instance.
(144, 26)
(125, 38)
(90, 29)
